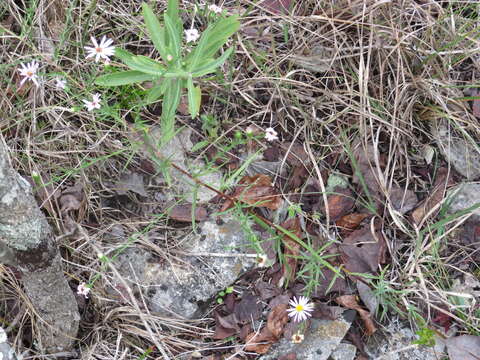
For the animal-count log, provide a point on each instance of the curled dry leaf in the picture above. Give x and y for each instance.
(350, 302)
(183, 213)
(256, 190)
(262, 341)
(276, 320)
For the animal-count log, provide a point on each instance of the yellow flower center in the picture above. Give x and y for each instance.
(299, 307)
(29, 73)
(98, 49)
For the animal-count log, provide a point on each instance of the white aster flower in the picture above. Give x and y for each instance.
(94, 104)
(262, 260)
(83, 289)
(216, 9)
(60, 83)
(103, 50)
(301, 309)
(191, 35)
(29, 72)
(297, 338)
(271, 134)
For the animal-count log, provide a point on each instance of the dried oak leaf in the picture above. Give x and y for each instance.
(331, 282)
(350, 302)
(248, 309)
(256, 190)
(183, 213)
(464, 347)
(362, 251)
(442, 182)
(276, 320)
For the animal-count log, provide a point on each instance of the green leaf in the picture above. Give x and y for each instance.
(173, 36)
(139, 63)
(155, 30)
(212, 39)
(200, 145)
(194, 98)
(213, 65)
(155, 92)
(171, 99)
(172, 9)
(123, 78)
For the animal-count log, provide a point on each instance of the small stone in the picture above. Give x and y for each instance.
(344, 352)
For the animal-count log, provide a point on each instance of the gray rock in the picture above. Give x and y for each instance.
(458, 150)
(344, 352)
(464, 196)
(176, 152)
(6, 351)
(395, 343)
(321, 339)
(211, 260)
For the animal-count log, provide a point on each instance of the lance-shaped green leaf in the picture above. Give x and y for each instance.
(211, 66)
(140, 63)
(173, 36)
(194, 98)
(155, 30)
(212, 39)
(171, 99)
(123, 78)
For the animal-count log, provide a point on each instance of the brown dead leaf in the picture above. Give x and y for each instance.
(362, 251)
(225, 326)
(183, 213)
(290, 356)
(350, 222)
(256, 190)
(339, 203)
(291, 248)
(350, 302)
(267, 290)
(331, 282)
(324, 311)
(402, 200)
(259, 342)
(442, 182)
(276, 320)
(248, 309)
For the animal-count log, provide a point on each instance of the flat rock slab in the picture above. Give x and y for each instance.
(396, 343)
(464, 196)
(321, 339)
(211, 260)
(459, 151)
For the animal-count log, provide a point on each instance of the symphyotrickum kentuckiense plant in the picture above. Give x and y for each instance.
(178, 68)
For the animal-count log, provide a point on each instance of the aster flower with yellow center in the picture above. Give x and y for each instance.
(300, 308)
